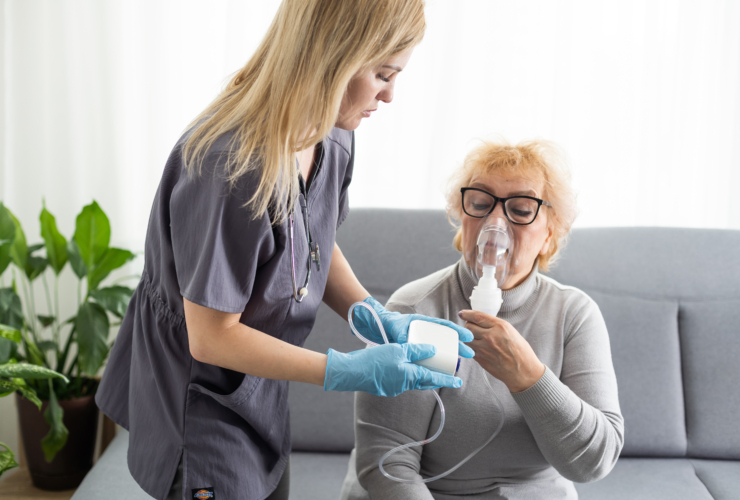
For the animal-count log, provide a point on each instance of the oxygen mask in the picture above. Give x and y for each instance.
(493, 251)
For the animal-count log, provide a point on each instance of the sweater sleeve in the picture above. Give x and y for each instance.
(382, 423)
(576, 419)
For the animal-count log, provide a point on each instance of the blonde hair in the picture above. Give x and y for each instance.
(294, 84)
(537, 160)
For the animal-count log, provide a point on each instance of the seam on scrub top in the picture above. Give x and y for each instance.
(318, 180)
(152, 292)
(340, 145)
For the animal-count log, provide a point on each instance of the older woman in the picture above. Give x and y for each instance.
(546, 356)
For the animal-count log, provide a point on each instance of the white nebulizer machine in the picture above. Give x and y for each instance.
(492, 254)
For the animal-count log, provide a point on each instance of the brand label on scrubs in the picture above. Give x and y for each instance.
(204, 494)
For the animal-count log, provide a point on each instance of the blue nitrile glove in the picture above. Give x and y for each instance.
(396, 326)
(384, 370)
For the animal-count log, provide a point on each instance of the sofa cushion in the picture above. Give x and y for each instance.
(710, 343)
(645, 351)
(647, 479)
(317, 476)
(721, 477)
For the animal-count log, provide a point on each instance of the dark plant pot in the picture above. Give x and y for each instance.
(71, 464)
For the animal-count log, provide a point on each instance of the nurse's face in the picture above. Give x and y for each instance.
(367, 88)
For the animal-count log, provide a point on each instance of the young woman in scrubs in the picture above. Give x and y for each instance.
(249, 204)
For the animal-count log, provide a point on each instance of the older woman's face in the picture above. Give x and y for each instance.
(530, 240)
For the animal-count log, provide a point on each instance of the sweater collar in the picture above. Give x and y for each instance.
(513, 299)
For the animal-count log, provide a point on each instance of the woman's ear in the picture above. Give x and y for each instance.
(546, 243)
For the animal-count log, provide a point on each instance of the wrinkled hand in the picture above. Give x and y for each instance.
(384, 370)
(396, 326)
(502, 351)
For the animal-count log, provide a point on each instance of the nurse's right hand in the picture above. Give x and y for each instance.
(384, 370)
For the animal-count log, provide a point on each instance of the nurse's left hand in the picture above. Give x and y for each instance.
(396, 326)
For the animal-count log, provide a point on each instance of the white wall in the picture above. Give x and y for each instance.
(644, 95)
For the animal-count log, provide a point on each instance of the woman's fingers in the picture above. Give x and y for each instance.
(478, 318)
(483, 332)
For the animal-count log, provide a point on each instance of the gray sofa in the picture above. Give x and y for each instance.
(671, 300)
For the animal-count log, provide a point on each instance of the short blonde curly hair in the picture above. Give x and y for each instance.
(536, 160)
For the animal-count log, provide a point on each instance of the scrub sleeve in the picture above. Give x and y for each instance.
(230, 430)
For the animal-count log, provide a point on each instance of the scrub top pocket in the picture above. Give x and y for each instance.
(239, 396)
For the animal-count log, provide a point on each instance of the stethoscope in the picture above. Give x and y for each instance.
(313, 247)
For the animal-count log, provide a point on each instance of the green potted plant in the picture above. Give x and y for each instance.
(13, 378)
(59, 449)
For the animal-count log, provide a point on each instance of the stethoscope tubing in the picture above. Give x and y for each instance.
(298, 294)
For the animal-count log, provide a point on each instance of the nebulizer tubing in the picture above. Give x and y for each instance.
(441, 410)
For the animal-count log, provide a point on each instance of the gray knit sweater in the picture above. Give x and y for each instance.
(567, 427)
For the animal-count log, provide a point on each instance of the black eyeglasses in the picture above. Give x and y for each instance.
(520, 210)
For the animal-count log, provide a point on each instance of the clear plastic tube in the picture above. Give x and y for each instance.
(441, 409)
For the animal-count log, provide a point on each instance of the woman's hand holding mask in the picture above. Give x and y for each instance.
(502, 351)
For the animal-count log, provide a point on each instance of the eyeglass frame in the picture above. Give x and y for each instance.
(503, 201)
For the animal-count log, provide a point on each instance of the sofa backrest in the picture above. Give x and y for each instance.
(670, 298)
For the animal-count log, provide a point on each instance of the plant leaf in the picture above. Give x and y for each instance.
(7, 236)
(34, 354)
(35, 266)
(35, 248)
(58, 433)
(92, 234)
(46, 320)
(10, 333)
(11, 316)
(8, 350)
(114, 298)
(113, 259)
(7, 459)
(8, 387)
(28, 371)
(19, 249)
(75, 260)
(56, 244)
(92, 335)
(11, 309)
(30, 395)
(47, 345)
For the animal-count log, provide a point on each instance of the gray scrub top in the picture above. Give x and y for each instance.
(231, 430)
